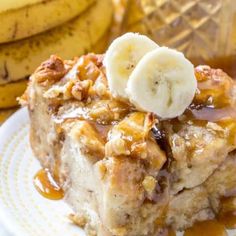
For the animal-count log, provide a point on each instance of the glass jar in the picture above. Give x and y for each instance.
(205, 30)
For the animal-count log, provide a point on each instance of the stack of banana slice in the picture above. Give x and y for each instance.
(32, 30)
(154, 79)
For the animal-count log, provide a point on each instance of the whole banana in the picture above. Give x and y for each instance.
(35, 16)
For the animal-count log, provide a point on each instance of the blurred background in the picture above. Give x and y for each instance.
(32, 30)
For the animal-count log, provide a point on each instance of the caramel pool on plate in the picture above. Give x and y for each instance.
(47, 186)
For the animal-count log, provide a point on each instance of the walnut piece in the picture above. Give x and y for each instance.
(51, 70)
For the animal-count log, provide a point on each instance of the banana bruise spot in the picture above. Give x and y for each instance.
(170, 100)
(27, 12)
(130, 66)
(5, 74)
(154, 88)
(15, 30)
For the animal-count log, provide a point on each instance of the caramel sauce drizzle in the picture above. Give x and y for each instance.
(206, 228)
(214, 102)
(228, 219)
(47, 186)
(227, 213)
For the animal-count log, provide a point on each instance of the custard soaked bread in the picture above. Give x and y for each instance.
(127, 172)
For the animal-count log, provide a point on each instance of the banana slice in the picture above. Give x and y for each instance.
(121, 58)
(163, 82)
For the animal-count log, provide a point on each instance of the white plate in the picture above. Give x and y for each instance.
(22, 210)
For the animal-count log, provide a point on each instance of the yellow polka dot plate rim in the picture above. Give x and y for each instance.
(23, 211)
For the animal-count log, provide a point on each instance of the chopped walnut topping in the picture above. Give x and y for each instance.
(89, 138)
(100, 89)
(215, 88)
(67, 90)
(80, 89)
(85, 80)
(107, 111)
(134, 129)
(51, 70)
(87, 68)
(77, 92)
(54, 92)
(116, 147)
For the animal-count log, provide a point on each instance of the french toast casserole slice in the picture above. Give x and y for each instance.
(125, 172)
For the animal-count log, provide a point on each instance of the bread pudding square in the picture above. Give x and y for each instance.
(127, 172)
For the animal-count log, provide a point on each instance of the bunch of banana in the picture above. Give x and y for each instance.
(32, 30)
